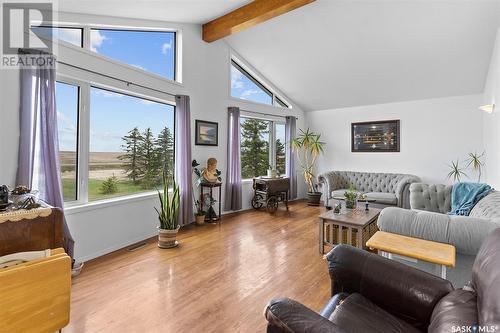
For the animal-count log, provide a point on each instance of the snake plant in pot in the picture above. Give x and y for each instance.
(308, 147)
(168, 214)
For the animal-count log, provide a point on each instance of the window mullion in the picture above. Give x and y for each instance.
(86, 38)
(272, 145)
(83, 143)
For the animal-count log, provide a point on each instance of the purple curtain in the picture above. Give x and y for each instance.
(183, 158)
(38, 165)
(290, 128)
(233, 182)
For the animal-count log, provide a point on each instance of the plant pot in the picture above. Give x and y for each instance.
(313, 198)
(200, 219)
(351, 204)
(167, 238)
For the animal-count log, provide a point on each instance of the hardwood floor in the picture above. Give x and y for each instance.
(218, 280)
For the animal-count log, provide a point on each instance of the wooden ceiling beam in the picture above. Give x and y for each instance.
(248, 16)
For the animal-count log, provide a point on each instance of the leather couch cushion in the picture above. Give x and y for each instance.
(458, 308)
(486, 279)
(359, 315)
(384, 198)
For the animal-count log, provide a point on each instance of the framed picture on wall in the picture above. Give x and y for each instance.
(207, 133)
(375, 136)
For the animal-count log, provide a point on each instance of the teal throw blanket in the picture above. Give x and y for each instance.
(465, 195)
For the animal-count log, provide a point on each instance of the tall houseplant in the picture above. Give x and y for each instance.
(308, 147)
(168, 213)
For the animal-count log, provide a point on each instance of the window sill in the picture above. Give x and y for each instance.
(75, 208)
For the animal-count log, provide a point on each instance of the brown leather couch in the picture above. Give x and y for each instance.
(374, 294)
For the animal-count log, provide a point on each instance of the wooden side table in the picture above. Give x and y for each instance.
(210, 187)
(356, 225)
(388, 243)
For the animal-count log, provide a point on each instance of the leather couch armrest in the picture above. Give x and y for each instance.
(464, 232)
(404, 291)
(285, 315)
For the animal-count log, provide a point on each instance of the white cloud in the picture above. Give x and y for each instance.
(65, 124)
(236, 79)
(249, 92)
(165, 47)
(96, 39)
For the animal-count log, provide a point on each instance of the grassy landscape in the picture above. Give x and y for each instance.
(125, 187)
(102, 166)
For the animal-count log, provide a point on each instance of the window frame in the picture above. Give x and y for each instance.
(272, 158)
(277, 101)
(83, 152)
(78, 139)
(65, 26)
(113, 28)
(86, 33)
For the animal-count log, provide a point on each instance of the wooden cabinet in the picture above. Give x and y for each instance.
(32, 230)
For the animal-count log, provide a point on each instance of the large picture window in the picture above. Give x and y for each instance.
(131, 141)
(262, 146)
(151, 51)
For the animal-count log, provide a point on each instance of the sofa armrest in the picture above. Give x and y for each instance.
(328, 184)
(464, 232)
(404, 291)
(402, 191)
(288, 316)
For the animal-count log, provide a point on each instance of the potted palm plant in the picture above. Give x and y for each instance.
(308, 147)
(168, 214)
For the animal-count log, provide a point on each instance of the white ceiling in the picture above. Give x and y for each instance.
(340, 53)
(185, 11)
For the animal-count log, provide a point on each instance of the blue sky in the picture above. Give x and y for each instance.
(112, 115)
(244, 88)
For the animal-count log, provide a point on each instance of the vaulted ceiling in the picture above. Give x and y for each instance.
(340, 53)
(185, 11)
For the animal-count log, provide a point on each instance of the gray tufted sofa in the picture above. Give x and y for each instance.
(428, 219)
(390, 189)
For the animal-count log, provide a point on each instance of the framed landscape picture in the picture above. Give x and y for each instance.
(375, 136)
(207, 133)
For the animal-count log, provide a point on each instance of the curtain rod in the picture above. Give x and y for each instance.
(266, 114)
(128, 83)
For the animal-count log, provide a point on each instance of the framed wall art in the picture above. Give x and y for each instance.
(375, 136)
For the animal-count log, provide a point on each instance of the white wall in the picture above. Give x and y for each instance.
(433, 133)
(99, 229)
(492, 121)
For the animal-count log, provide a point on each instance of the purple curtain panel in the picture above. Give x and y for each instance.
(233, 182)
(290, 128)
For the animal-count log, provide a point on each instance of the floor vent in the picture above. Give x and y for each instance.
(136, 246)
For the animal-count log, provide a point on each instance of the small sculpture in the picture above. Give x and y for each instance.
(210, 173)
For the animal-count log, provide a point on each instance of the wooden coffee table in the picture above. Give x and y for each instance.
(357, 221)
(388, 243)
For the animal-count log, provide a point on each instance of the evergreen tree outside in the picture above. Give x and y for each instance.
(254, 147)
(148, 163)
(280, 157)
(131, 156)
(165, 152)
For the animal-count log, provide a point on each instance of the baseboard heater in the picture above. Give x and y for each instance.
(136, 246)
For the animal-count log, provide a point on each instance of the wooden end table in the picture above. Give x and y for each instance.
(388, 243)
(357, 221)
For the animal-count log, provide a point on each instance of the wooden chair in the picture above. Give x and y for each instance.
(35, 296)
